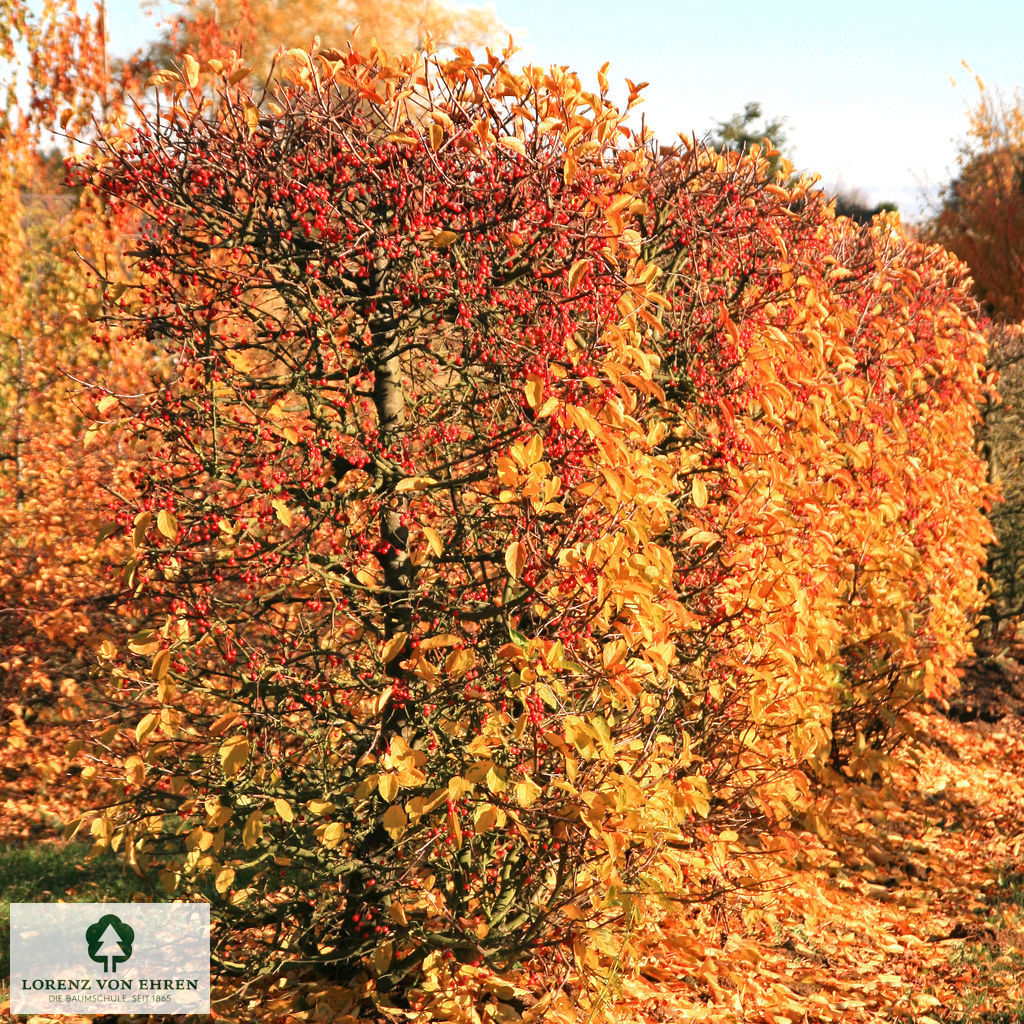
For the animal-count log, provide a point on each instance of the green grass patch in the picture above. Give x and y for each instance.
(52, 873)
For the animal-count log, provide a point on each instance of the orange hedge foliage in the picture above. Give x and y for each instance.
(527, 515)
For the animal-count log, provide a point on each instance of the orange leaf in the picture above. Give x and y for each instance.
(515, 559)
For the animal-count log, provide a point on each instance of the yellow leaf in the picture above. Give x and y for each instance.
(142, 524)
(167, 524)
(485, 817)
(694, 792)
(282, 511)
(699, 492)
(455, 828)
(252, 830)
(393, 647)
(394, 821)
(418, 806)
(433, 541)
(511, 142)
(458, 787)
(234, 752)
(146, 725)
(145, 642)
(161, 663)
(534, 449)
(224, 879)
(534, 391)
(387, 786)
(515, 559)
(415, 483)
(442, 239)
(458, 663)
(162, 78)
(614, 482)
(284, 809)
(333, 834)
(170, 721)
(134, 770)
(319, 807)
(703, 537)
(440, 640)
(576, 271)
(436, 137)
(383, 953)
(190, 70)
(569, 169)
(613, 652)
(495, 783)
(547, 408)
(216, 813)
(526, 792)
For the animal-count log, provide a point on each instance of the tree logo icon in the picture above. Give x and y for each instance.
(110, 942)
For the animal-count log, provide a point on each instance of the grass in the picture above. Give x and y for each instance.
(1009, 889)
(51, 873)
(997, 973)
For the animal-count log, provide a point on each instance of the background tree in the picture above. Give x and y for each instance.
(60, 581)
(854, 204)
(257, 29)
(981, 219)
(981, 212)
(749, 128)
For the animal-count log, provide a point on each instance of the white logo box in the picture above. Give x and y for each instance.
(75, 958)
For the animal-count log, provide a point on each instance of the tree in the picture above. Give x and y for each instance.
(479, 587)
(752, 287)
(396, 666)
(741, 132)
(981, 219)
(981, 215)
(258, 29)
(58, 580)
(855, 205)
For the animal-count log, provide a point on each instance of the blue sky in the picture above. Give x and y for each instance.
(864, 86)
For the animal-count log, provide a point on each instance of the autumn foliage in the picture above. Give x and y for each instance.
(259, 30)
(525, 518)
(981, 217)
(57, 577)
(981, 220)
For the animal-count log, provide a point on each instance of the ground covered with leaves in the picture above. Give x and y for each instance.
(908, 905)
(910, 908)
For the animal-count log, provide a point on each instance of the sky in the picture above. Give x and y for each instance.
(864, 87)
